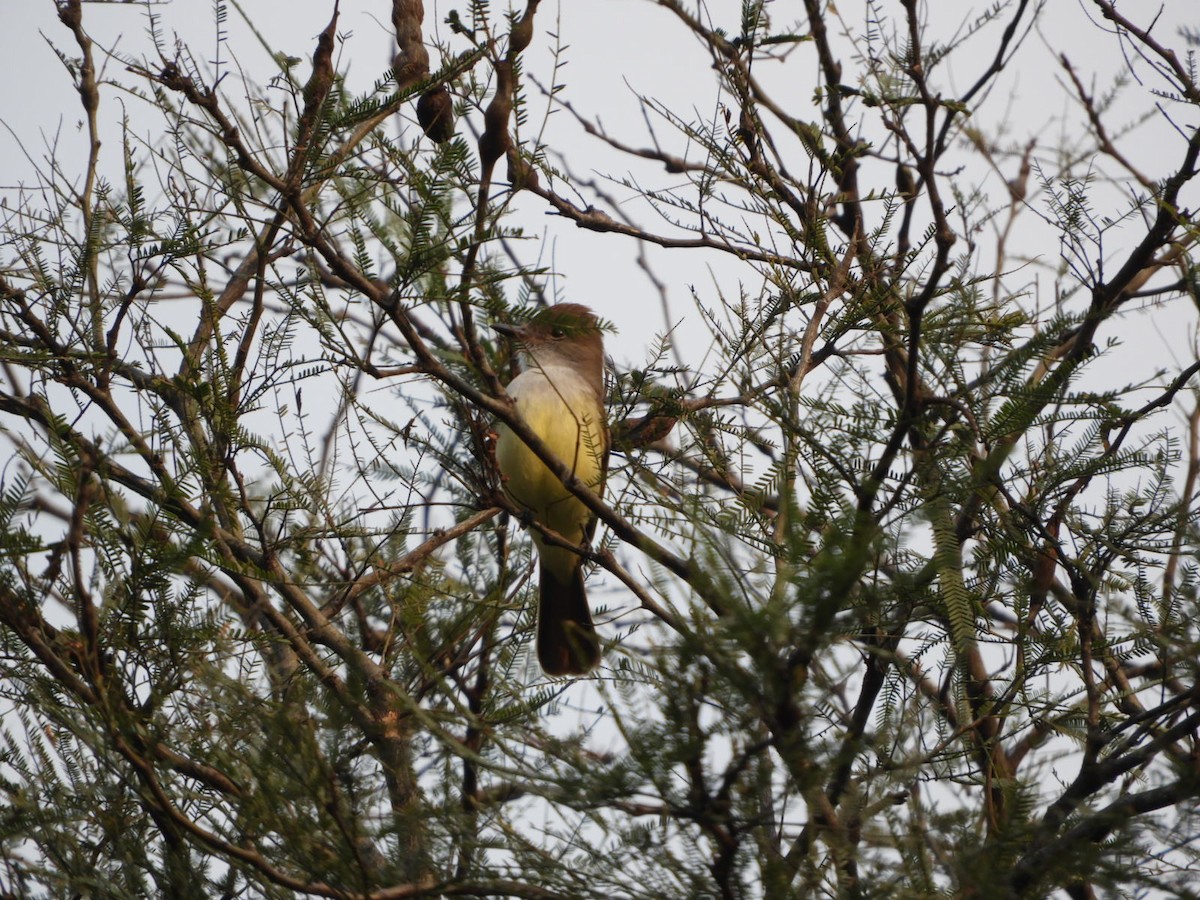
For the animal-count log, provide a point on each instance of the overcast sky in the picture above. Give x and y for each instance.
(615, 50)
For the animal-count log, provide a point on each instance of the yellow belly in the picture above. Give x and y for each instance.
(571, 424)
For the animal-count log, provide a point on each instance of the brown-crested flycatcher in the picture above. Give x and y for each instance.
(560, 396)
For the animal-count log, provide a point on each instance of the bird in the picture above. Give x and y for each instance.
(559, 394)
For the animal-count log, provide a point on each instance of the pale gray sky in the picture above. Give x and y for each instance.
(615, 50)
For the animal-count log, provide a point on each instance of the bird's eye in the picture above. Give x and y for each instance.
(557, 333)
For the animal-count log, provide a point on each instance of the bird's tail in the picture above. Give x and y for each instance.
(567, 643)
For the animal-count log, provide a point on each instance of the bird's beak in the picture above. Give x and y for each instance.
(513, 331)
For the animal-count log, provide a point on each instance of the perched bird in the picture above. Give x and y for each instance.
(560, 396)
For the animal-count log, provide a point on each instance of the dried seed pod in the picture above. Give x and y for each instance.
(435, 112)
(495, 140)
(412, 62)
(410, 66)
(521, 173)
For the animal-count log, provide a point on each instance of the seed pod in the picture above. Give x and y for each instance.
(435, 112)
(521, 173)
